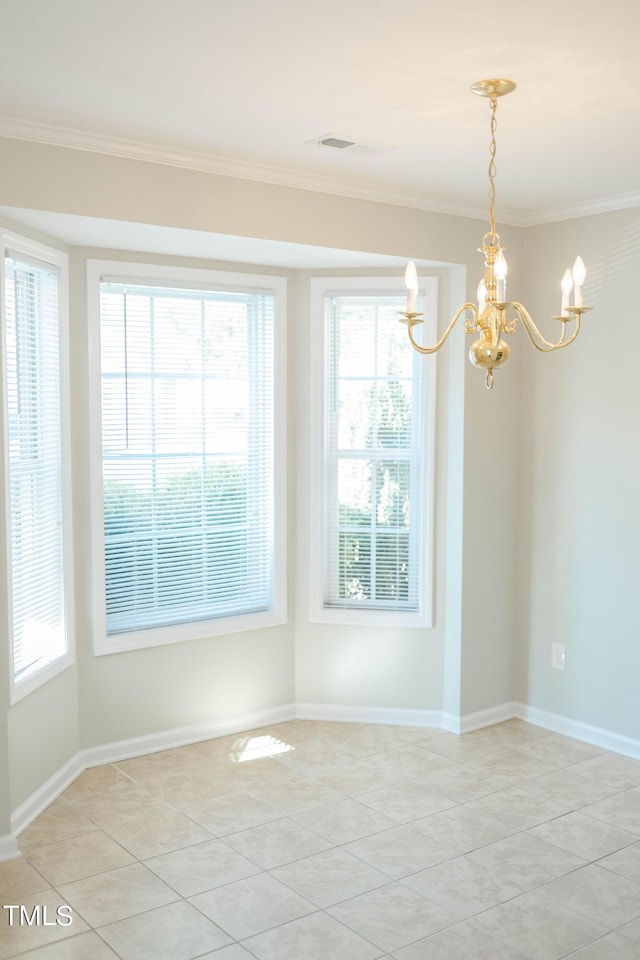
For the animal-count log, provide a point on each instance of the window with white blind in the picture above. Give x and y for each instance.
(373, 477)
(189, 525)
(37, 518)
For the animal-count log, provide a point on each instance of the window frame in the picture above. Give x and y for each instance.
(321, 288)
(138, 273)
(12, 243)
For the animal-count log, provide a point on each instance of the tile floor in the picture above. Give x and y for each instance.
(329, 841)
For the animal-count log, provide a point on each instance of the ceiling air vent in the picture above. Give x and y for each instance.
(337, 143)
(334, 141)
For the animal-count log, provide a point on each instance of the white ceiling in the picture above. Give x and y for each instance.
(241, 86)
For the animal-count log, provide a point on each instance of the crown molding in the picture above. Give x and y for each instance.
(572, 211)
(17, 129)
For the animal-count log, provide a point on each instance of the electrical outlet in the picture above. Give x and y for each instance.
(557, 656)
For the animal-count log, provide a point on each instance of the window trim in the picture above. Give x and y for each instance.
(15, 243)
(139, 273)
(321, 287)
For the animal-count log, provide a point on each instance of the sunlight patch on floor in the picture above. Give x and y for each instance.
(255, 748)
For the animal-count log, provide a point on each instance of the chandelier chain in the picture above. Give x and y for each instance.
(492, 167)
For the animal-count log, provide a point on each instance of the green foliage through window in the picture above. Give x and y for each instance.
(187, 409)
(373, 425)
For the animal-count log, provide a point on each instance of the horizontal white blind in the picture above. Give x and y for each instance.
(187, 430)
(32, 379)
(373, 417)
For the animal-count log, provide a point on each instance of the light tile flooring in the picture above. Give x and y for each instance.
(328, 841)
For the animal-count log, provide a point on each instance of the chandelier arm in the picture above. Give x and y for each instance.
(536, 338)
(429, 350)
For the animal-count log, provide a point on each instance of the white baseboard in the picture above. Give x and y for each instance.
(166, 739)
(9, 848)
(181, 736)
(342, 713)
(23, 815)
(479, 719)
(597, 736)
(51, 789)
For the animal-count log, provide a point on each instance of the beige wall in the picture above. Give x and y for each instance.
(44, 733)
(580, 464)
(5, 797)
(39, 177)
(464, 663)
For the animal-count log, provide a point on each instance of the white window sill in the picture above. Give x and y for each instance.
(181, 632)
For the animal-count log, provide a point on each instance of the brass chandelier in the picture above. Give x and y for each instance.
(494, 315)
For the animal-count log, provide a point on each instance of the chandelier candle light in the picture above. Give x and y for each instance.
(494, 315)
